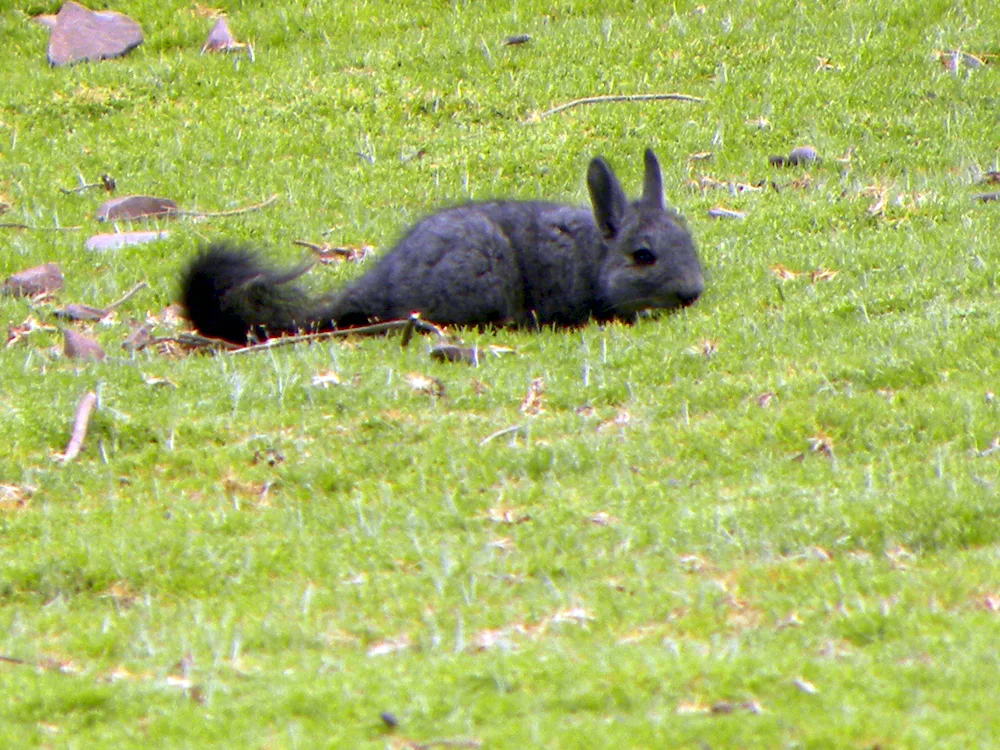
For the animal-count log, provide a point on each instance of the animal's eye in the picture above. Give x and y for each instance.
(643, 256)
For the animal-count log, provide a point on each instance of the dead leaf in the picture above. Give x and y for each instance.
(899, 556)
(271, 456)
(821, 443)
(81, 34)
(516, 39)
(118, 674)
(31, 282)
(818, 553)
(803, 155)
(507, 515)
(78, 346)
(453, 353)
(221, 39)
(718, 212)
(621, 419)
(822, 274)
(154, 380)
(383, 648)
(20, 331)
(81, 420)
(954, 59)
(878, 207)
(503, 544)
(691, 707)
(122, 595)
(205, 11)
(326, 253)
(128, 207)
(172, 316)
(791, 620)
(783, 273)
(488, 639)
(423, 384)
(175, 681)
(139, 338)
(576, 616)
(533, 403)
(691, 563)
(601, 518)
(805, 686)
(74, 311)
(708, 348)
(326, 379)
(15, 497)
(764, 400)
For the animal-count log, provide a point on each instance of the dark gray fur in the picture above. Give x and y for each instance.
(524, 263)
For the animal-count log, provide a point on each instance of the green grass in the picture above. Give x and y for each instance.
(734, 559)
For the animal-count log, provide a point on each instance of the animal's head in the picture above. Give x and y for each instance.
(651, 261)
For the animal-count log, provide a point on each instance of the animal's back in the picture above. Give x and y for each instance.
(486, 263)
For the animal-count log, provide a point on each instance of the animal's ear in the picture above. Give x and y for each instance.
(652, 186)
(607, 197)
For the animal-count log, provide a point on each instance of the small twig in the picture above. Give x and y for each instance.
(107, 183)
(80, 423)
(128, 295)
(428, 744)
(232, 212)
(501, 433)
(194, 341)
(13, 660)
(318, 249)
(620, 98)
(994, 447)
(197, 341)
(40, 229)
(326, 252)
(377, 328)
(88, 186)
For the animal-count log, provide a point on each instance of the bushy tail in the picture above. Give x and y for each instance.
(227, 293)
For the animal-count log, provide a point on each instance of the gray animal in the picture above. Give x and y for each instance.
(494, 263)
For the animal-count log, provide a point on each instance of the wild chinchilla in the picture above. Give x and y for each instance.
(524, 263)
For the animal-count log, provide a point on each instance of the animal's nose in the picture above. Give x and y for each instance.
(690, 292)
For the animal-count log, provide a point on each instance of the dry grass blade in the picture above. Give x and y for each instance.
(372, 330)
(30, 228)
(232, 212)
(500, 433)
(618, 98)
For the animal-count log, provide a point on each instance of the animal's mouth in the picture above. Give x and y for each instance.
(672, 301)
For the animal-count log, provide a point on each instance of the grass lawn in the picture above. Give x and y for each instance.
(770, 520)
